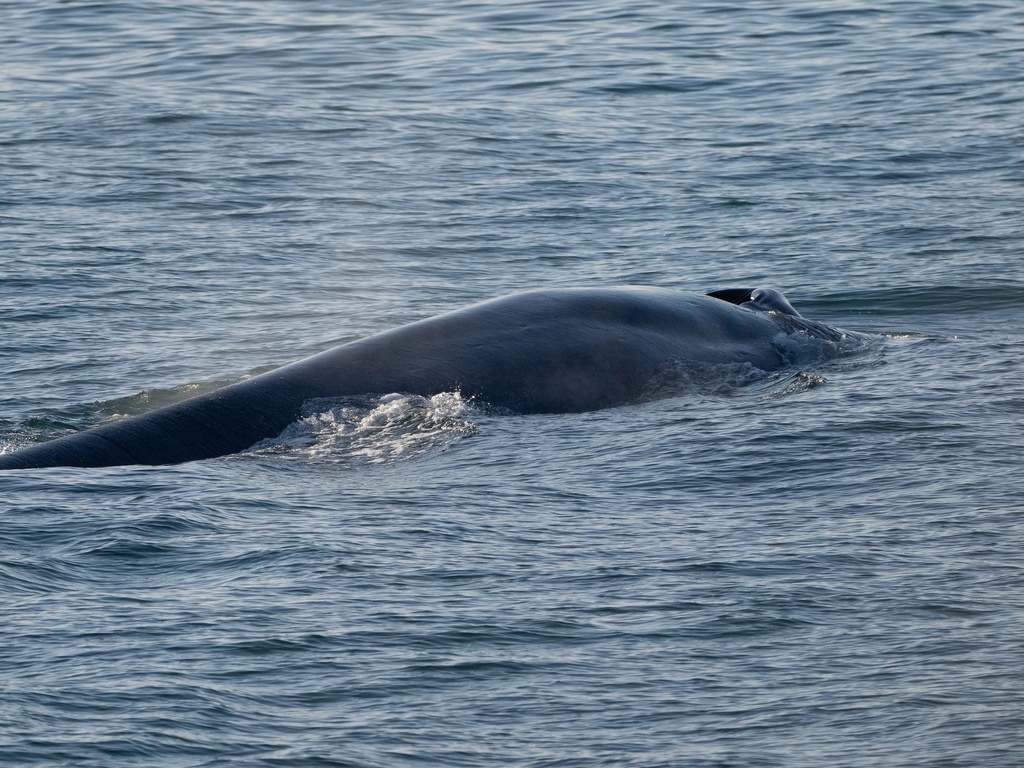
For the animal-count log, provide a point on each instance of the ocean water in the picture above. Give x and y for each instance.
(821, 567)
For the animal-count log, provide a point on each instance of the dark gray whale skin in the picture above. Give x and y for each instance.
(543, 351)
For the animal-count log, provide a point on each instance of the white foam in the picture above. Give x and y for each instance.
(376, 431)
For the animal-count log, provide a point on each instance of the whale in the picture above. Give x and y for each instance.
(566, 350)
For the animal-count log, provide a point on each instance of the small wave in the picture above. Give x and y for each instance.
(792, 383)
(378, 431)
(921, 300)
(152, 399)
(682, 377)
(688, 378)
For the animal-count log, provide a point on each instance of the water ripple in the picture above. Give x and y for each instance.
(819, 567)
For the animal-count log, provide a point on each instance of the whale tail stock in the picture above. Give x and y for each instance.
(227, 420)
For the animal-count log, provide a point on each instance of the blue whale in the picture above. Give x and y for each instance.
(542, 351)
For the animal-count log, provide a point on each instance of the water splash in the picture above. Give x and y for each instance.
(792, 383)
(377, 431)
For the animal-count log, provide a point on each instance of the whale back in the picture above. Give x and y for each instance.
(546, 351)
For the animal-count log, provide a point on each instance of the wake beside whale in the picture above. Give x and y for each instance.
(542, 351)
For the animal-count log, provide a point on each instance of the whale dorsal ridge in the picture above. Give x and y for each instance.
(763, 299)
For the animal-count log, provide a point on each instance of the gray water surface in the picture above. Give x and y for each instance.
(816, 568)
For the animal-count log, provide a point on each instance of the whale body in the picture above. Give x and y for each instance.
(542, 351)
